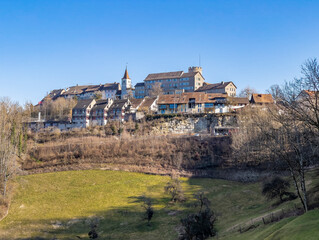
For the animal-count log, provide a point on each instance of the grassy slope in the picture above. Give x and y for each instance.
(61, 205)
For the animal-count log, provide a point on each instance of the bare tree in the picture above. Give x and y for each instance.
(247, 92)
(156, 90)
(10, 136)
(286, 133)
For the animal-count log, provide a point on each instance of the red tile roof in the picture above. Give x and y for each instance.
(262, 98)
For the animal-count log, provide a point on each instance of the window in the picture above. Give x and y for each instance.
(209, 105)
(172, 106)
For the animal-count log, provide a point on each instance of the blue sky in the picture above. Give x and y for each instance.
(46, 45)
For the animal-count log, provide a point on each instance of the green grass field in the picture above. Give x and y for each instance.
(63, 204)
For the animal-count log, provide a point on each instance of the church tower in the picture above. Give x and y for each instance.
(126, 84)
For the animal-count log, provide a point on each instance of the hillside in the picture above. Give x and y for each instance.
(62, 204)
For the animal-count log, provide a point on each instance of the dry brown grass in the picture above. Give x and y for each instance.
(169, 152)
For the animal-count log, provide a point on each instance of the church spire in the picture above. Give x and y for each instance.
(126, 76)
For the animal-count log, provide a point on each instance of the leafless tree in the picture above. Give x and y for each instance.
(10, 136)
(156, 90)
(247, 92)
(287, 132)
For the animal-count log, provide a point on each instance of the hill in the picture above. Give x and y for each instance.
(63, 204)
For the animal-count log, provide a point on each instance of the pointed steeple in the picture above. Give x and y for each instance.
(126, 76)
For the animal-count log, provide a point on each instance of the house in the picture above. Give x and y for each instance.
(171, 82)
(81, 113)
(192, 102)
(149, 105)
(135, 104)
(237, 102)
(222, 87)
(98, 114)
(118, 109)
(109, 90)
(261, 99)
(139, 90)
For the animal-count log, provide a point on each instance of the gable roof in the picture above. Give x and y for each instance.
(140, 84)
(83, 104)
(261, 98)
(209, 86)
(239, 100)
(147, 103)
(200, 97)
(119, 104)
(191, 74)
(135, 102)
(110, 86)
(101, 104)
(165, 75)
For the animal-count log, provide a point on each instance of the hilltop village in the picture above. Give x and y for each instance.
(159, 94)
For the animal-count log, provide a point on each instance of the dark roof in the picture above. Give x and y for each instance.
(118, 104)
(75, 90)
(208, 86)
(261, 98)
(101, 104)
(165, 75)
(110, 86)
(136, 102)
(126, 76)
(140, 84)
(54, 94)
(147, 103)
(200, 97)
(191, 74)
(239, 100)
(83, 103)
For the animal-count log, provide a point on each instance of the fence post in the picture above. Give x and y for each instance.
(264, 221)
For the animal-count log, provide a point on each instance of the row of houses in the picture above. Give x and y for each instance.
(170, 83)
(91, 112)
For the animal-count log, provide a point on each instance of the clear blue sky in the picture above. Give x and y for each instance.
(45, 45)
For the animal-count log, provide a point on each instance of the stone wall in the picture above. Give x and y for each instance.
(193, 124)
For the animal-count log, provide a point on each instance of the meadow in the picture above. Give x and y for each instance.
(62, 205)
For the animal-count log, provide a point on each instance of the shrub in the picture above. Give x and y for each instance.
(276, 188)
(200, 225)
(174, 189)
(148, 206)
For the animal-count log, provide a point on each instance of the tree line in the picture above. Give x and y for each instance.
(287, 132)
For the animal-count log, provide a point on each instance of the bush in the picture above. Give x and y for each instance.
(276, 188)
(174, 189)
(199, 225)
(148, 206)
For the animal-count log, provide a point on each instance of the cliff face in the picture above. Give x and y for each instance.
(193, 124)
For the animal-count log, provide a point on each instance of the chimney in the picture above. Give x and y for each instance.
(222, 82)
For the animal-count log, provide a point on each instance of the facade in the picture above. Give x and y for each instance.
(98, 114)
(139, 90)
(199, 102)
(81, 112)
(118, 109)
(172, 82)
(261, 99)
(222, 87)
(109, 90)
(195, 102)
